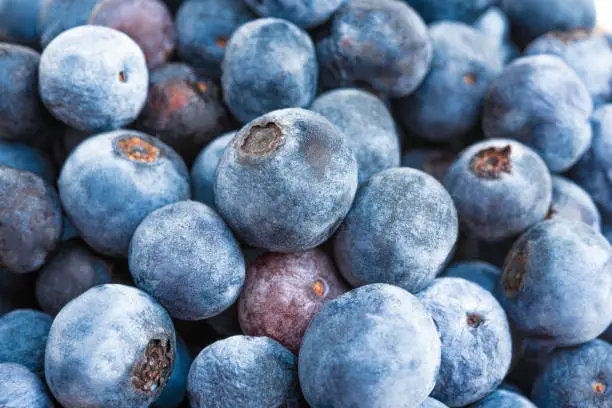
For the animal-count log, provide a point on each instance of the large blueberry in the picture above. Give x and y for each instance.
(113, 346)
(368, 126)
(23, 335)
(26, 158)
(571, 202)
(246, 372)
(433, 161)
(19, 21)
(449, 102)
(500, 187)
(454, 10)
(304, 14)
(475, 336)
(93, 78)
(479, 272)
(401, 230)
(176, 390)
(20, 388)
(30, 220)
(187, 258)
(379, 44)
(112, 181)
(504, 399)
(183, 109)
(286, 181)
(72, 270)
(577, 377)
(269, 64)
(203, 29)
(540, 101)
(589, 54)
(204, 168)
(556, 283)
(355, 352)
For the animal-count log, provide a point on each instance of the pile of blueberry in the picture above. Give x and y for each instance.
(305, 203)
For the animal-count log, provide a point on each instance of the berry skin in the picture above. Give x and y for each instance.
(494, 24)
(93, 78)
(112, 181)
(269, 64)
(186, 257)
(501, 398)
(548, 269)
(481, 273)
(376, 367)
(571, 202)
(133, 357)
(451, 10)
(20, 388)
(286, 181)
(204, 167)
(19, 21)
(511, 182)
(22, 157)
(303, 14)
(378, 242)
(432, 403)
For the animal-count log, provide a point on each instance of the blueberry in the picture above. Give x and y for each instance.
(113, 346)
(401, 230)
(175, 391)
(593, 171)
(245, 372)
(540, 101)
(283, 292)
(23, 335)
(448, 104)
(475, 336)
(379, 44)
(72, 270)
(433, 161)
(93, 78)
(588, 53)
(500, 187)
(368, 126)
(112, 181)
(479, 272)
(20, 388)
(532, 18)
(355, 351)
(26, 158)
(204, 28)
(30, 220)
(494, 25)
(186, 257)
(556, 283)
(57, 16)
(432, 403)
(19, 21)
(305, 14)
(183, 109)
(269, 64)
(204, 167)
(571, 202)
(577, 377)
(503, 399)
(455, 10)
(286, 181)
(23, 117)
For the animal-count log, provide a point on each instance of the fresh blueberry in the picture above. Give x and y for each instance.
(286, 181)
(183, 109)
(72, 270)
(16, 291)
(500, 187)
(448, 104)
(176, 390)
(305, 14)
(26, 158)
(246, 372)
(532, 18)
(204, 28)
(577, 377)
(495, 26)
(186, 257)
(540, 101)
(355, 352)
(368, 126)
(455, 10)
(475, 336)
(30, 220)
(433, 161)
(479, 272)
(504, 399)
(57, 16)
(401, 230)
(432, 403)
(112, 181)
(204, 167)
(113, 346)
(269, 64)
(93, 78)
(20, 388)
(19, 21)
(556, 283)
(571, 202)
(379, 44)
(283, 292)
(23, 335)
(589, 54)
